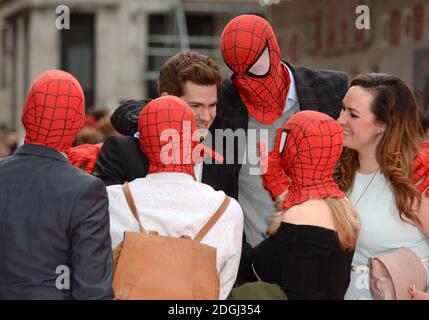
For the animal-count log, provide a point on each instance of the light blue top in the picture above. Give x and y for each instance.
(381, 229)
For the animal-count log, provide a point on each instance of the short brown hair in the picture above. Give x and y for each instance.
(187, 66)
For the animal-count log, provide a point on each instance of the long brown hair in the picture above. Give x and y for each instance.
(394, 105)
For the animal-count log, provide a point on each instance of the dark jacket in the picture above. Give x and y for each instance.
(54, 229)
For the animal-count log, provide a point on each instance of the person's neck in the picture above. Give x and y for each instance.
(41, 144)
(367, 162)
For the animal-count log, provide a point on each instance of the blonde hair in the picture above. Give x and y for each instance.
(345, 219)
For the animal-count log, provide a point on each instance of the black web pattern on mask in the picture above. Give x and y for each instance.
(258, 91)
(312, 149)
(158, 116)
(53, 113)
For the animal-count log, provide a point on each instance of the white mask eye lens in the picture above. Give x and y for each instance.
(282, 141)
(262, 65)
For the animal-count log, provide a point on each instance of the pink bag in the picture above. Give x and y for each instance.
(391, 274)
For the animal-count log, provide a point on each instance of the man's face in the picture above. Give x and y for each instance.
(203, 100)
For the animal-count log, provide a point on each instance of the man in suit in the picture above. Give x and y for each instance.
(193, 77)
(54, 219)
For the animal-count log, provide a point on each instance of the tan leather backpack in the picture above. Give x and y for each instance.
(149, 266)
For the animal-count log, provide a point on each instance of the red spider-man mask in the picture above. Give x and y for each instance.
(54, 110)
(250, 49)
(169, 136)
(314, 143)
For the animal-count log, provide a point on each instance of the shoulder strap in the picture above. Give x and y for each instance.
(213, 219)
(131, 204)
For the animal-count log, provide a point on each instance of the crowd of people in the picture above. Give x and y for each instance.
(343, 175)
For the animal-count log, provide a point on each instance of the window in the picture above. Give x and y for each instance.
(77, 53)
(164, 41)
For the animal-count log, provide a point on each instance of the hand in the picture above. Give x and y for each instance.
(84, 156)
(274, 178)
(417, 294)
(421, 169)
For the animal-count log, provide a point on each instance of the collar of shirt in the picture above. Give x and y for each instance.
(198, 171)
(62, 153)
(292, 95)
(177, 176)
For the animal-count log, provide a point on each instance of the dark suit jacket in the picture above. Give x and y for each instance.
(51, 215)
(121, 160)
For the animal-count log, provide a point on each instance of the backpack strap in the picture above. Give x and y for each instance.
(213, 219)
(132, 205)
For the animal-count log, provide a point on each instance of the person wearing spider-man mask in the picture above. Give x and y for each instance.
(54, 219)
(169, 199)
(263, 93)
(314, 234)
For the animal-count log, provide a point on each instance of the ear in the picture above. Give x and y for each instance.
(381, 127)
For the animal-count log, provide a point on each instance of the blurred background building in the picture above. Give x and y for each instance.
(115, 48)
(323, 34)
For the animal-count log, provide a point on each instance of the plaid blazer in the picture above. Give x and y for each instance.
(319, 90)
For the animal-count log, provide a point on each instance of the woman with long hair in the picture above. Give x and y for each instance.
(382, 137)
